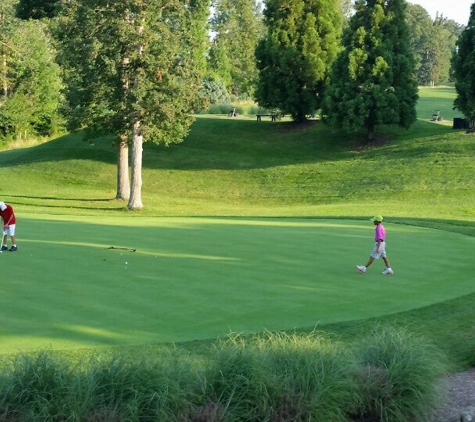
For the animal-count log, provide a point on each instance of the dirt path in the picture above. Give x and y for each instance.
(460, 398)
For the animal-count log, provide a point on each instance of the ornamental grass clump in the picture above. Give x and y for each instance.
(281, 377)
(34, 387)
(398, 375)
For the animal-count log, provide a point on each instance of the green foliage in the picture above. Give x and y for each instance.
(30, 79)
(32, 387)
(266, 377)
(129, 63)
(281, 377)
(464, 69)
(295, 56)
(214, 92)
(237, 27)
(398, 374)
(37, 9)
(373, 79)
(431, 43)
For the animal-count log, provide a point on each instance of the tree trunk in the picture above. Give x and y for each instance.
(123, 183)
(135, 200)
(371, 128)
(5, 75)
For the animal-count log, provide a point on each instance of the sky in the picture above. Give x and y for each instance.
(458, 10)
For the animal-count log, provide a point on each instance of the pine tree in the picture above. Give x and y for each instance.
(295, 57)
(373, 80)
(463, 65)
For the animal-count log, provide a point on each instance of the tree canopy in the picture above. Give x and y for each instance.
(373, 79)
(29, 77)
(295, 57)
(463, 63)
(236, 26)
(133, 69)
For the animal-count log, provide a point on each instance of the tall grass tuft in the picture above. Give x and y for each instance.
(282, 377)
(308, 377)
(398, 375)
(34, 387)
(135, 387)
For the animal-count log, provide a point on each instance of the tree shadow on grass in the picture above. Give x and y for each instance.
(223, 144)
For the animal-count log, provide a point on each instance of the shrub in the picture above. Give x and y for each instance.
(398, 374)
(35, 386)
(282, 377)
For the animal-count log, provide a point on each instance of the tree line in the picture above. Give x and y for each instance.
(138, 69)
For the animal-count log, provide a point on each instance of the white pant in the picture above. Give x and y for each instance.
(10, 231)
(382, 251)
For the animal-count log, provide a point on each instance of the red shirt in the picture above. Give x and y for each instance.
(7, 214)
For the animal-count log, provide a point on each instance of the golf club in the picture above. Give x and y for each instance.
(122, 249)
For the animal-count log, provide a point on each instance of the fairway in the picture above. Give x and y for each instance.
(200, 278)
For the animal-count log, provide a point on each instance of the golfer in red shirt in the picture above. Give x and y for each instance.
(9, 224)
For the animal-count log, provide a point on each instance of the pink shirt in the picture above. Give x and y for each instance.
(380, 233)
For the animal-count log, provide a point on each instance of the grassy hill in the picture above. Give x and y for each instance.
(242, 167)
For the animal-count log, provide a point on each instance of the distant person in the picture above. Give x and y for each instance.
(9, 224)
(379, 249)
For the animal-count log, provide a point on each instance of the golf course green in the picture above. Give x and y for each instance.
(194, 278)
(246, 226)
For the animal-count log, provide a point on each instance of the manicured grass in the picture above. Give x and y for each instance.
(438, 98)
(199, 278)
(219, 243)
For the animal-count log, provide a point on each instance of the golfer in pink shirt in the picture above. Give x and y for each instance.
(379, 249)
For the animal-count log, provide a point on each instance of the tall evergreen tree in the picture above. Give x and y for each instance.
(237, 27)
(463, 65)
(295, 57)
(133, 70)
(373, 79)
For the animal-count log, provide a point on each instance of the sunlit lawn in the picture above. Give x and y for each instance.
(199, 278)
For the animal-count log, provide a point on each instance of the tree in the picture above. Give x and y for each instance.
(295, 57)
(134, 69)
(421, 38)
(432, 43)
(347, 10)
(373, 79)
(463, 65)
(237, 27)
(30, 78)
(37, 9)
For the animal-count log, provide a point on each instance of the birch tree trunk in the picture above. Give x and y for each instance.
(123, 183)
(135, 200)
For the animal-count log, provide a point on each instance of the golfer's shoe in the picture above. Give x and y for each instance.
(4, 248)
(13, 249)
(388, 271)
(361, 268)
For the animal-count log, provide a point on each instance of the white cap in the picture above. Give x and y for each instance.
(3, 207)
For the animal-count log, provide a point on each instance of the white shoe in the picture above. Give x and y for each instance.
(388, 271)
(361, 268)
